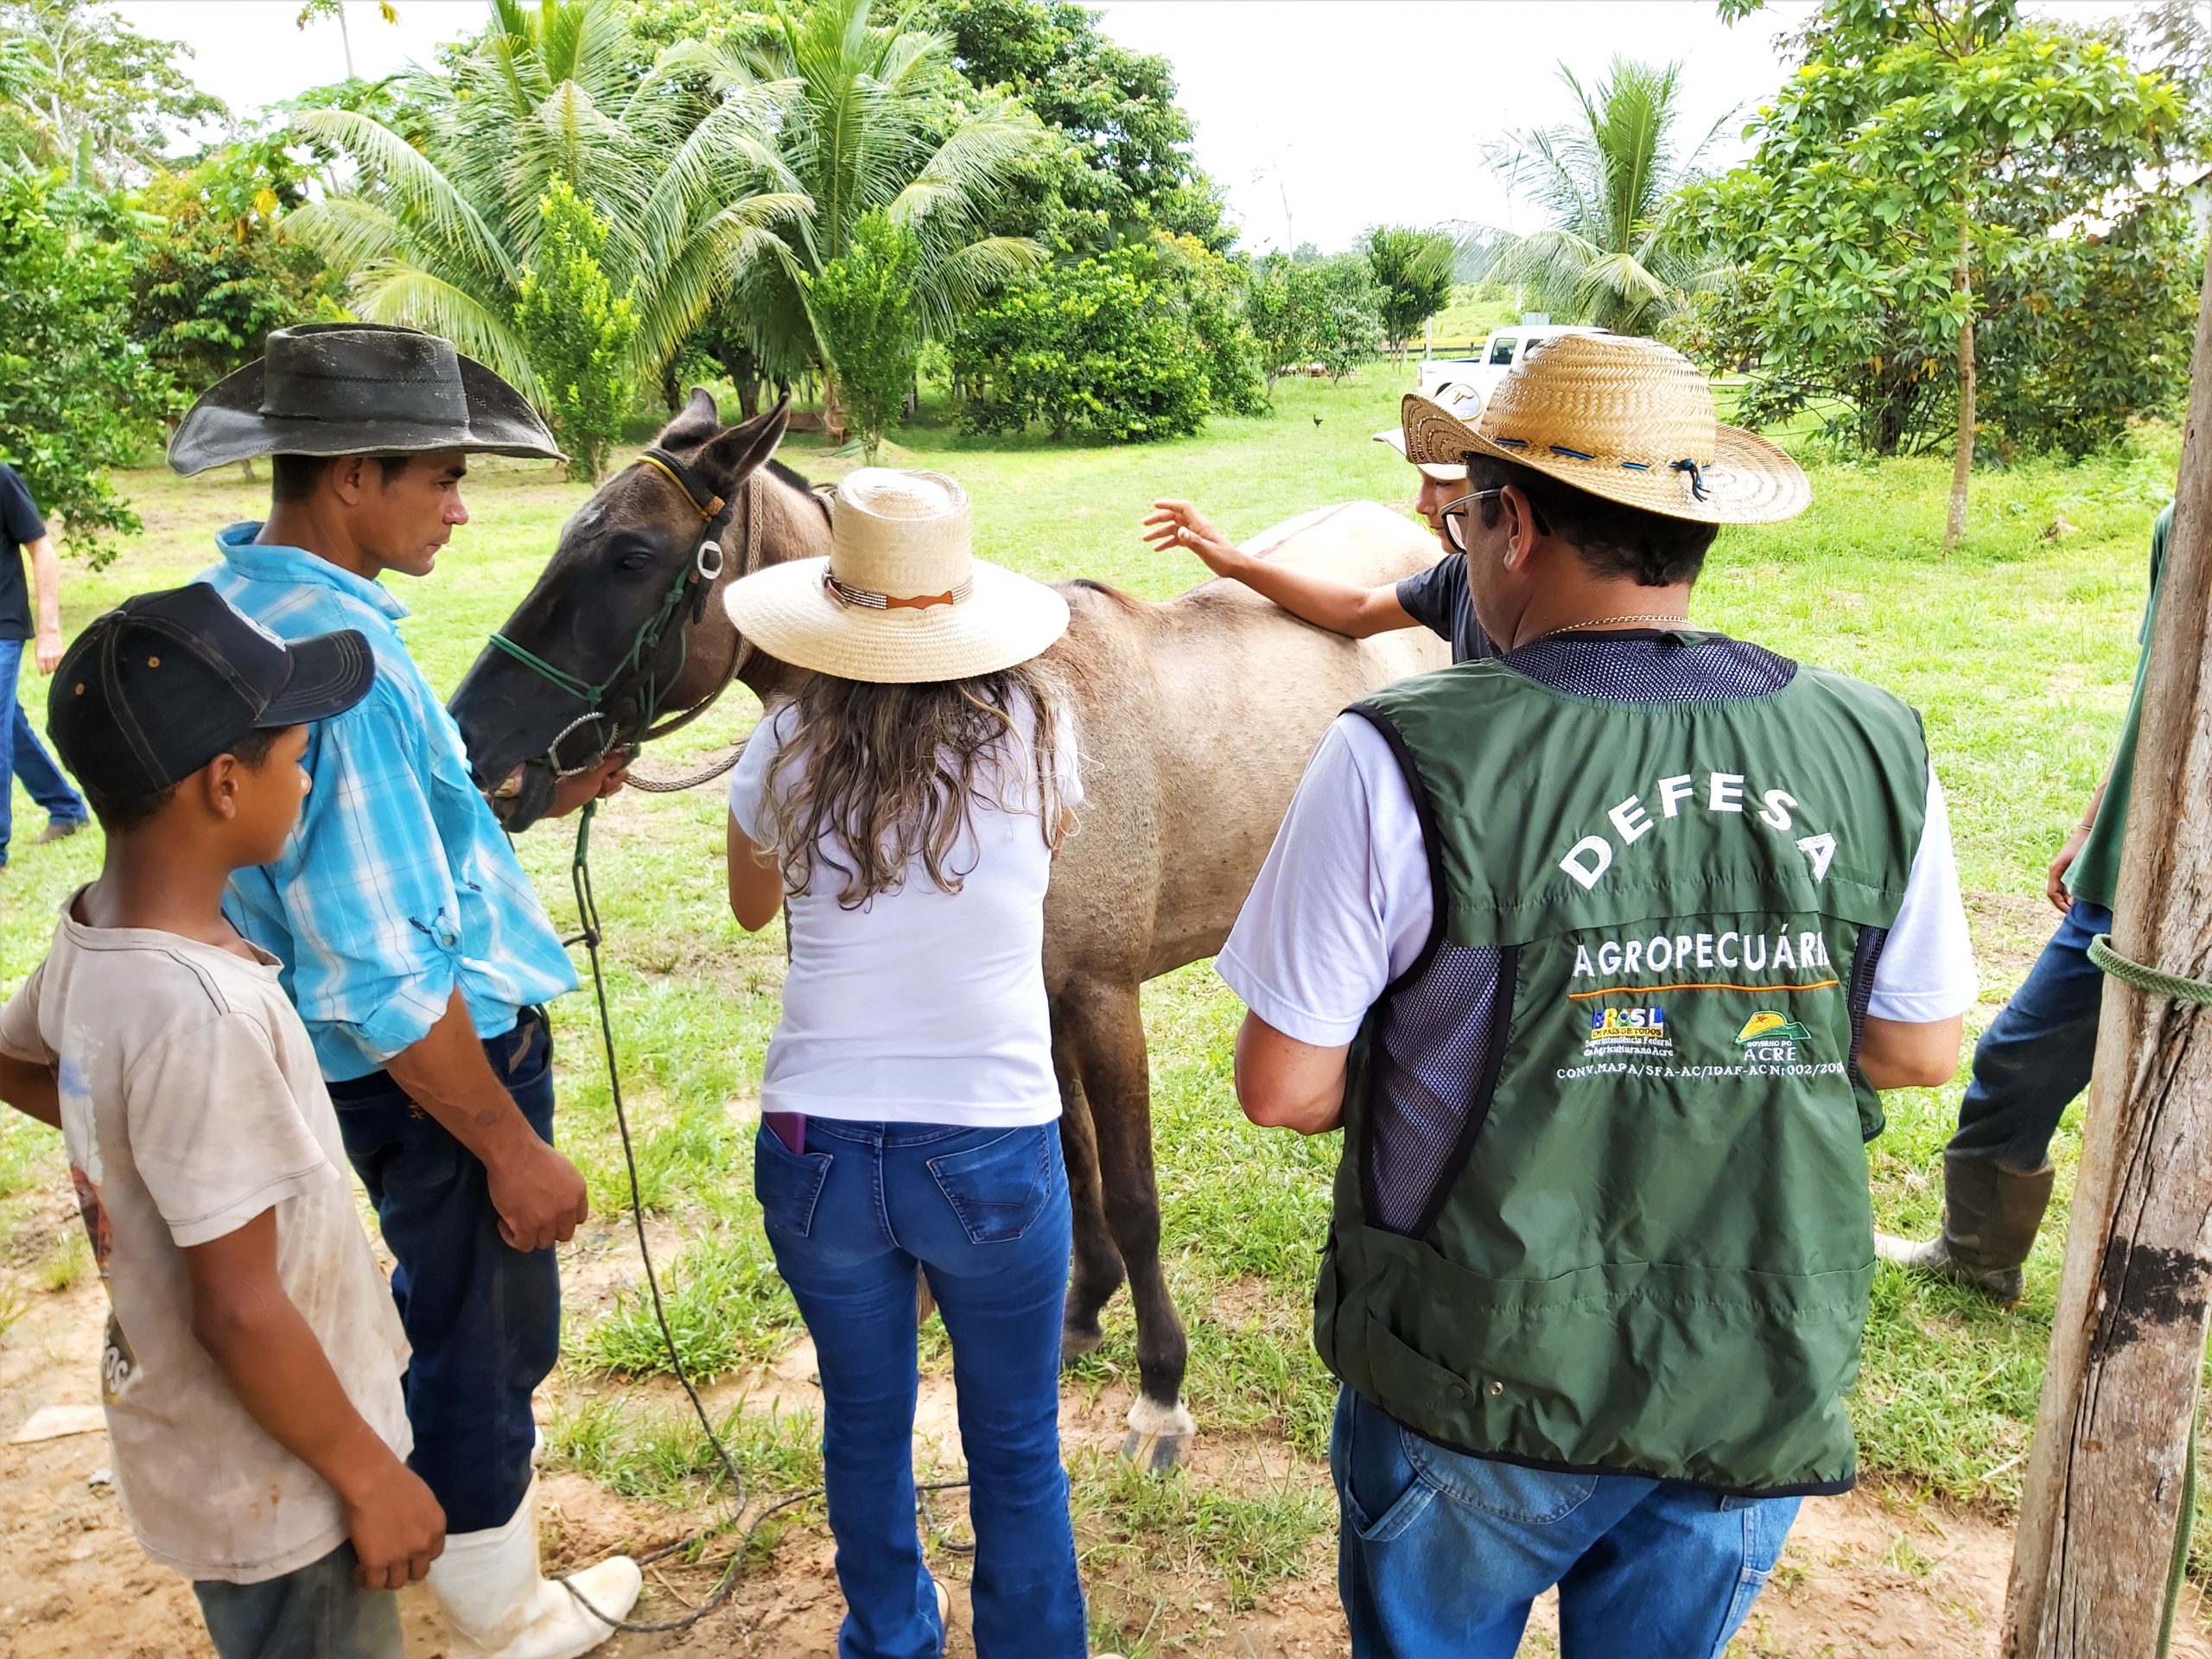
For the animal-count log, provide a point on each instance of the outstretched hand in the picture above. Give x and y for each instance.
(1179, 524)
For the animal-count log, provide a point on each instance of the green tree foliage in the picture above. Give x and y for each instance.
(2092, 331)
(1306, 310)
(864, 315)
(1413, 277)
(1617, 251)
(577, 330)
(1124, 167)
(218, 278)
(1097, 348)
(441, 208)
(1923, 146)
(1209, 290)
(315, 11)
(866, 116)
(78, 394)
(91, 93)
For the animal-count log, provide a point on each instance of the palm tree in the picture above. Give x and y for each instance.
(1615, 252)
(445, 217)
(865, 119)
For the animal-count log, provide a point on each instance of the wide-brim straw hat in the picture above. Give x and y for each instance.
(357, 389)
(902, 598)
(1627, 419)
(1463, 401)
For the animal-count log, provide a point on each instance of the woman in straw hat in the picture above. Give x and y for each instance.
(1597, 953)
(903, 809)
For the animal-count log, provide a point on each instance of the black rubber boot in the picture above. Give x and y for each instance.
(1990, 1218)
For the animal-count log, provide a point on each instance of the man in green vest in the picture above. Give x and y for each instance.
(2034, 1059)
(1598, 952)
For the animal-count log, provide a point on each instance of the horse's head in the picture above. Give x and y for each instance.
(623, 634)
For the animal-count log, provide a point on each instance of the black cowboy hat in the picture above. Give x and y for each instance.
(357, 389)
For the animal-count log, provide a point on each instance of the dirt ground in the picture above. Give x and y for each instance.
(1875, 1573)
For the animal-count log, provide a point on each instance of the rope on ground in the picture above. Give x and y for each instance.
(588, 918)
(2155, 980)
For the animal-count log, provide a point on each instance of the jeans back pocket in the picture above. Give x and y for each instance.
(787, 1183)
(999, 1189)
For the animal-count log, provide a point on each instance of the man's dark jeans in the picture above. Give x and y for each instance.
(2034, 1059)
(484, 1319)
(22, 755)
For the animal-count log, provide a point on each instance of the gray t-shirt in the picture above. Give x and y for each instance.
(191, 1102)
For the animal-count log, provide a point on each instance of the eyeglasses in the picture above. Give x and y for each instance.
(1454, 514)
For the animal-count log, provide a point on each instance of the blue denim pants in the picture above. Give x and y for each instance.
(984, 1213)
(1441, 1554)
(483, 1318)
(2035, 1056)
(22, 755)
(314, 1611)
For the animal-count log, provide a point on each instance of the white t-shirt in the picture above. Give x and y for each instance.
(920, 1006)
(191, 1102)
(1344, 904)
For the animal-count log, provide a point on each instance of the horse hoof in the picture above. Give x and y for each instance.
(1158, 1435)
(1075, 1344)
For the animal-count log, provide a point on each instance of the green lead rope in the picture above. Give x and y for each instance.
(2156, 981)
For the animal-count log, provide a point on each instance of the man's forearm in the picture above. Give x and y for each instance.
(446, 1074)
(2096, 804)
(31, 1089)
(46, 581)
(1340, 607)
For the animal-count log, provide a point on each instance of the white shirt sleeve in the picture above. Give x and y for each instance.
(1927, 971)
(748, 782)
(1344, 904)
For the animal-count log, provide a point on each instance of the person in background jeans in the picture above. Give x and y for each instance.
(22, 755)
(2035, 1057)
(904, 810)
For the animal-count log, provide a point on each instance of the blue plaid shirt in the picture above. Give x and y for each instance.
(399, 883)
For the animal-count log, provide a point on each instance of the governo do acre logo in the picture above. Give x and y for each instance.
(1771, 1039)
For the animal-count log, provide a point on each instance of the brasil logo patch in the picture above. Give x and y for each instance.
(1640, 1032)
(1771, 1038)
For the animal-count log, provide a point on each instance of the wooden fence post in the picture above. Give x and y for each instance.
(2104, 1486)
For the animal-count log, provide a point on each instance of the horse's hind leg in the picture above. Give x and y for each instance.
(1097, 1273)
(1107, 1037)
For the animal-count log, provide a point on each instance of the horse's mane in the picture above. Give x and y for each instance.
(799, 481)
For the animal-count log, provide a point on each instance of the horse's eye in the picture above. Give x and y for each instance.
(638, 560)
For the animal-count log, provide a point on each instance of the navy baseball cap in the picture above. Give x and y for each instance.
(158, 687)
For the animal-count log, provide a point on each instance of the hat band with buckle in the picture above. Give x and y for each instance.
(861, 596)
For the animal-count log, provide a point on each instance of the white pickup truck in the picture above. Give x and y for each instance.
(1504, 351)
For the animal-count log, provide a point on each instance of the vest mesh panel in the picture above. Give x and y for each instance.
(1436, 1032)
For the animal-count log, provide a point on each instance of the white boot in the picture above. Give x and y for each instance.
(500, 1606)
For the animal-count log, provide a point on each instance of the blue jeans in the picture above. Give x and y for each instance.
(483, 1318)
(1441, 1554)
(314, 1611)
(984, 1213)
(22, 755)
(2034, 1056)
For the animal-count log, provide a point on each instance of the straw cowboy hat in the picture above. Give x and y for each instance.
(901, 598)
(1462, 400)
(1627, 419)
(357, 389)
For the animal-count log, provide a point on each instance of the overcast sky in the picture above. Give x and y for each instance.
(1318, 118)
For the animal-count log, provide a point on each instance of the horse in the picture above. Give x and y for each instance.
(1197, 717)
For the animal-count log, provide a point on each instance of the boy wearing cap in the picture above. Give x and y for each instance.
(1598, 953)
(412, 943)
(1436, 599)
(251, 1364)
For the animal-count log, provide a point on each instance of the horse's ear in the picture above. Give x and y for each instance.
(699, 421)
(736, 454)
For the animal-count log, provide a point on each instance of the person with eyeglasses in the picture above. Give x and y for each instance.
(1436, 599)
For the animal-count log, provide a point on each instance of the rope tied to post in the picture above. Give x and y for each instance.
(2155, 981)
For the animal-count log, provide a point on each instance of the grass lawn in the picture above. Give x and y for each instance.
(2019, 649)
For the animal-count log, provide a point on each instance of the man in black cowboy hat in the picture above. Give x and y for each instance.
(412, 943)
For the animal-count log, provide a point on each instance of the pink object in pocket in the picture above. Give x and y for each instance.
(790, 1127)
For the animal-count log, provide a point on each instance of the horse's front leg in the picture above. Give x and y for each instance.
(1106, 1035)
(1097, 1268)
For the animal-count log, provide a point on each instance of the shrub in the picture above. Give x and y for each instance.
(863, 309)
(577, 330)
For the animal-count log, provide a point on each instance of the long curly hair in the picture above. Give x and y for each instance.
(873, 778)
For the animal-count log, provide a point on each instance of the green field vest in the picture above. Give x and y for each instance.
(1648, 1245)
